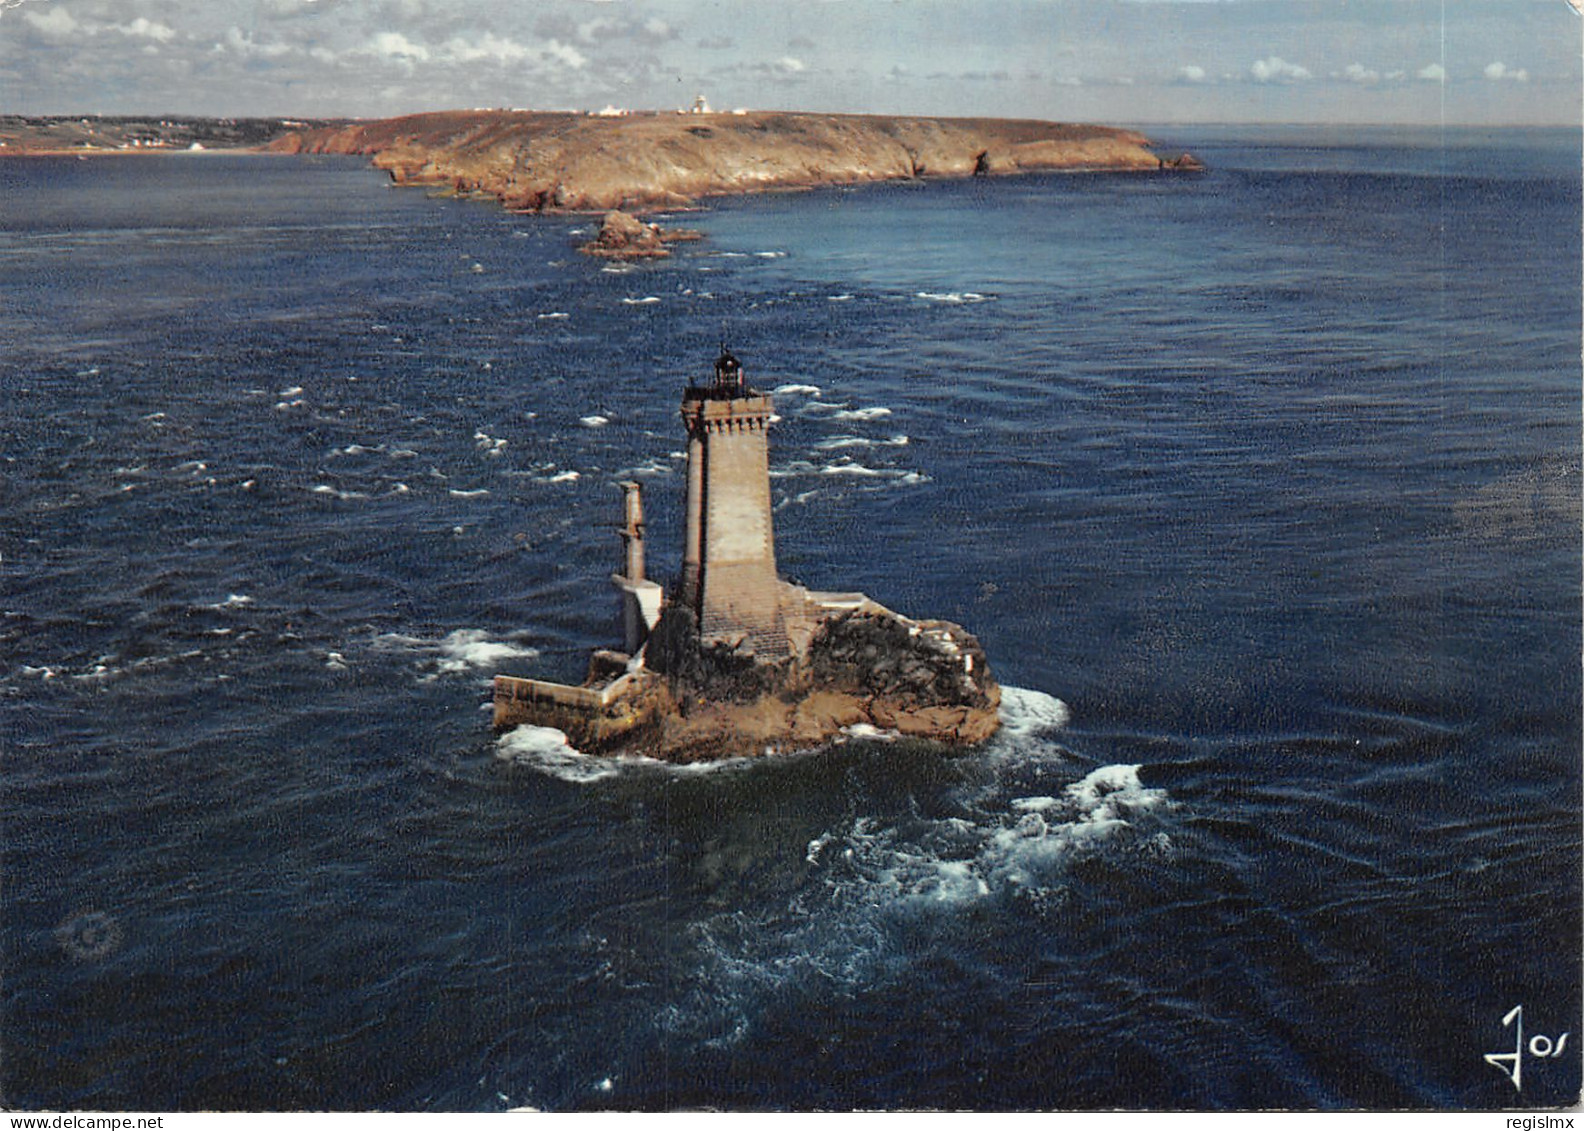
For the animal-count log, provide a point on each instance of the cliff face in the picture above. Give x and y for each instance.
(551, 162)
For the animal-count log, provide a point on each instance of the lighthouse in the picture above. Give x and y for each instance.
(728, 554)
(734, 661)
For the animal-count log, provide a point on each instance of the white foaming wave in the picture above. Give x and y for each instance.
(862, 413)
(796, 390)
(837, 442)
(456, 493)
(232, 601)
(839, 298)
(460, 651)
(653, 467)
(471, 648)
(873, 883)
(1047, 831)
(870, 882)
(868, 732)
(770, 255)
(560, 477)
(647, 300)
(112, 666)
(846, 466)
(546, 749)
(549, 751)
(594, 420)
(859, 470)
(554, 316)
(1016, 847)
(1026, 713)
(326, 489)
(953, 297)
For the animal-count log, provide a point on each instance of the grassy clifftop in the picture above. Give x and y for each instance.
(558, 161)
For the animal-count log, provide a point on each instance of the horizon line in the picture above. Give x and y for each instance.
(1115, 124)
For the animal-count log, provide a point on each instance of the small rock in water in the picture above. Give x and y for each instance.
(622, 236)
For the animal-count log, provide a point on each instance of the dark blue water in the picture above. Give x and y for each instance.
(1261, 489)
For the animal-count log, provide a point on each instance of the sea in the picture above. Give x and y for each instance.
(1260, 488)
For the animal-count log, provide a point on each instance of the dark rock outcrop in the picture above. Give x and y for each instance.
(870, 668)
(622, 236)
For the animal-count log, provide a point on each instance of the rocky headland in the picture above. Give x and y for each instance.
(545, 162)
(24, 135)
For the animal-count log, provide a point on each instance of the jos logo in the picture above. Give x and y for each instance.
(1540, 1047)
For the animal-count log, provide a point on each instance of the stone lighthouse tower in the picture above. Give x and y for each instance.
(736, 661)
(728, 558)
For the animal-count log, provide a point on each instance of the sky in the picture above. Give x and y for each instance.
(1123, 62)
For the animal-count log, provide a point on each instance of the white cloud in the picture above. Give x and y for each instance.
(142, 28)
(1191, 73)
(58, 25)
(565, 54)
(290, 8)
(1359, 73)
(1435, 72)
(590, 30)
(1277, 69)
(1498, 71)
(242, 44)
(489, 46)
(395, 45)
(55, 23)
